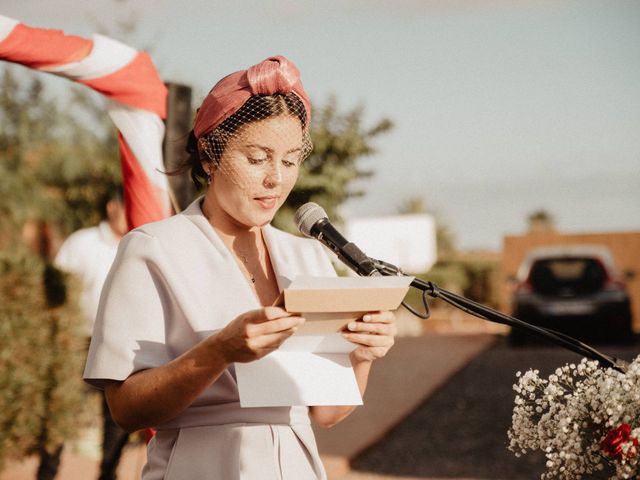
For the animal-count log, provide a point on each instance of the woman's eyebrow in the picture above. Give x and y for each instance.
(255, 145)
(267, 149)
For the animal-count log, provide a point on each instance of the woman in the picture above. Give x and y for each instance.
(189, 296)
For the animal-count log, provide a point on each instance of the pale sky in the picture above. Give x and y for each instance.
(501, 107)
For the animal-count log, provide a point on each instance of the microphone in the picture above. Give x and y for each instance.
(312, 221)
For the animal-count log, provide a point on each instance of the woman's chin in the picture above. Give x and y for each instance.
(263, 215)
(260, 219)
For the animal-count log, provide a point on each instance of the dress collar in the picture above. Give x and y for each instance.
(276, 246)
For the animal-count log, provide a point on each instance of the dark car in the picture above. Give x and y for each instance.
(574, 289)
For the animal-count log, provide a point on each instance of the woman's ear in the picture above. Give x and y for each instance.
(204, 148)
(209, 166)
(208, 171)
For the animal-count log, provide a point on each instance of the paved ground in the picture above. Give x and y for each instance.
(412, 371)
(461, 430)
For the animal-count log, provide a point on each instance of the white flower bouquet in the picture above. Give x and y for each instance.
(585, 419)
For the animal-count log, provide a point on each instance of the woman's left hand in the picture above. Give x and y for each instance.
(374, 334)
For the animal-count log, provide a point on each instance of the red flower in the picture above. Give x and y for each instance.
(615, 439)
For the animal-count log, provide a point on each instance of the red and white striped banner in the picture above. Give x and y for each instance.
(136, 102)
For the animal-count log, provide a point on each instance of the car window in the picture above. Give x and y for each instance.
(567, 276)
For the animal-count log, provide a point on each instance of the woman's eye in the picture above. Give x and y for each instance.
(256, 161)
(291, 160)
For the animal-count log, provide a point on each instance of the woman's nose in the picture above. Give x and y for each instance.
(273, 177)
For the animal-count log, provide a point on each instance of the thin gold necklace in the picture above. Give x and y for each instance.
(245, 262)
(244, 258)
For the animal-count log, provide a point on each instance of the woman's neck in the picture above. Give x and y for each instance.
(232, 232)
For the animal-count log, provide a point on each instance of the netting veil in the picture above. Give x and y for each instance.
(265, 140)
(253, 126)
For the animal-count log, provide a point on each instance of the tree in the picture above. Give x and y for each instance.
(41, 392)
(412, 205)
(56, 161)
(540, 221)
(53, 166)
(340, 141)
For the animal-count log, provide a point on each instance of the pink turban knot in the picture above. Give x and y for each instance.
(271, 76)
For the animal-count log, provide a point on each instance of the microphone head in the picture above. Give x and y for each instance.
(307, 216)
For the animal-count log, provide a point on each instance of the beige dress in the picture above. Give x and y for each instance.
(173, 283)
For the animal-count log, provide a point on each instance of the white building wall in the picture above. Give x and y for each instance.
(407, 241)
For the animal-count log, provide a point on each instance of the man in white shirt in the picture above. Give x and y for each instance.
(88, 253)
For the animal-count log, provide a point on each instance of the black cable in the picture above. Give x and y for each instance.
(486, 313)
(427, 311)
(388, 269)
(549, 334)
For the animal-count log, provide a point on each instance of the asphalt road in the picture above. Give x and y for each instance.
(461, 430)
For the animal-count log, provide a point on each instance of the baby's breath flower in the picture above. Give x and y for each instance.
(585, 419)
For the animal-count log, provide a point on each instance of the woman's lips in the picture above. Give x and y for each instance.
(266, 202)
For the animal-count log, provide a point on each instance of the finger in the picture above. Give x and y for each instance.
(379, 317)
(372, 353)
(272, 313)
(270, 341)
(369, 340)
(273, 326)
(265, 314)
(378, 328)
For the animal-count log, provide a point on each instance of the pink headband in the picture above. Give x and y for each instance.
(273, 75)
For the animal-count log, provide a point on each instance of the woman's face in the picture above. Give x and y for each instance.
(258, 169)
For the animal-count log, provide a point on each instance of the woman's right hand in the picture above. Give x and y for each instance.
(155, 395)
(256, 333)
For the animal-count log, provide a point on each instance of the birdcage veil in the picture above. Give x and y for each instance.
(255, 123)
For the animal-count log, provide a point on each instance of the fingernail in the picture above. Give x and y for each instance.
(366, 318)
(352, 325)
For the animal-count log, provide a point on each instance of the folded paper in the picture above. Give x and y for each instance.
(312, 367)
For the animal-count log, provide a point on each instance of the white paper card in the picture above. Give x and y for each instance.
(333, 343)
(285, 378)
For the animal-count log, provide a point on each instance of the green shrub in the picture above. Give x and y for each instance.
(42, 353)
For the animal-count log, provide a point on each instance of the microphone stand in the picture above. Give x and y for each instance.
(486, 313)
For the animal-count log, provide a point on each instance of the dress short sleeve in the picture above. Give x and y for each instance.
(130, 332)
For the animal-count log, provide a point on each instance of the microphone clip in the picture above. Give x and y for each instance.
(387, 269)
